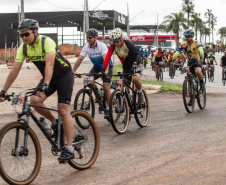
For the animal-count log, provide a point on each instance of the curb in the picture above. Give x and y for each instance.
(153, 87)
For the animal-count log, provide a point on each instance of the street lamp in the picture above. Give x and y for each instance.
(128, 32)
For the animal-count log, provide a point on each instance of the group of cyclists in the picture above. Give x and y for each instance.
(58, 75)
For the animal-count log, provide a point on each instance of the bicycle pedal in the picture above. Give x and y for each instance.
(63, 161)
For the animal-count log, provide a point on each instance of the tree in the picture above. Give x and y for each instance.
(209, 15)
(222, 33)
(188, 7)
(196, 23)
(213, 24)
(173, 22)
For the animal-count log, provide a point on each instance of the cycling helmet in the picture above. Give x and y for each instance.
(189, 32)
(28, 24)
(211, 53)
(159, 49)
(172, 51)
(207, 46)
(116, 33)
(93, 32)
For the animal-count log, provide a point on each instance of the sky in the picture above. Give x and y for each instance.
(151, 8)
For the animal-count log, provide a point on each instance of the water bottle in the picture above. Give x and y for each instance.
(46, 125)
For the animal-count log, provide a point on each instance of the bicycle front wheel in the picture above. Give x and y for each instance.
(188, 96)
(17, 165)
(86, 141)
(161, 74)
(84, 101)
(141, 110)
(119, 112)
(201, 99)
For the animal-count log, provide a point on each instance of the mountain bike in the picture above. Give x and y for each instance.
(124, 102)
(191, 90)
(160, 71)
(224, 76)
(84, 99)
(172, 70)
(20, 154)
(211, 73)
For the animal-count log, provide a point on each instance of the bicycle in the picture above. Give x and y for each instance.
(20, 145)
(124, 102)
(84, 99)
(224, 76)
(204, 72)
(191, 90)
(160, 71)
(211, 73)
(172, 70)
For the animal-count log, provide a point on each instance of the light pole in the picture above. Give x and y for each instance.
(128, 32)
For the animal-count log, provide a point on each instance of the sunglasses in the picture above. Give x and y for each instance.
(116, 41)
(27, 34)
(89, 37)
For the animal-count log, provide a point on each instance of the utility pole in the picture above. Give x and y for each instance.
(157, 30)
(87, 15)
(21, 16)
(128, 31)
(84, 22)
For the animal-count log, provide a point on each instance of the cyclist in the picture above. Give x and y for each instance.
(170, 59)
(195, 53)
(223, 63)
(127, 54)
(57, 76)
(142, 55)
(158, 57)
(96, 51)
(210, 60)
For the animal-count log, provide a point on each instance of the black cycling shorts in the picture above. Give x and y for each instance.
(194, 66)
(63, 86)
(129, 76)
(106, 79)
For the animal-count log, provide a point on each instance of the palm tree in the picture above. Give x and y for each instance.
(209, 16)
(188, 7)
(173, 22)
(196, 22)
(213, 24)
(222, 33)
(206, 31)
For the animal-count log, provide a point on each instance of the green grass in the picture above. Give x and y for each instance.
(167, 87)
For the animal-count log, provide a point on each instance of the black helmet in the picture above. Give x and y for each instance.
(93, 32)
(28, 24)
(189, 32)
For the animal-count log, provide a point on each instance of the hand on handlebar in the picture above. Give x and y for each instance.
(3, 94)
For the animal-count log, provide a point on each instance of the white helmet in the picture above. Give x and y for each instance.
(116, 33)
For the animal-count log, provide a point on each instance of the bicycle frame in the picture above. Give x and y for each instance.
(26, 110)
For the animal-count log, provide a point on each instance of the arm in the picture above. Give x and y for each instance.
(12, 75)
(108, 56)
(106, 70)
(176, 55)
(77, 63)
(50, 60)
(201, 52)
(215, 61)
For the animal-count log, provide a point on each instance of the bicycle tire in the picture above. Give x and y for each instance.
(84, 142)
(77, 106)
(138, 107)
(224, 78)
(161, 74)
(116, 106)
(12, 154)
(186, 94)
(202, 104)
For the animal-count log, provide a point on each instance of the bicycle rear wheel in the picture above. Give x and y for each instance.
(86, 141)
(141, 111)
(119, 112)
(84, 101)
(188, 96)
(18, 166)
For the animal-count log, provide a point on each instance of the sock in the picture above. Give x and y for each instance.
(201, 81)
(70, 148)
(107, 108)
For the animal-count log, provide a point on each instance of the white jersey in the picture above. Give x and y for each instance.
(95, 54)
